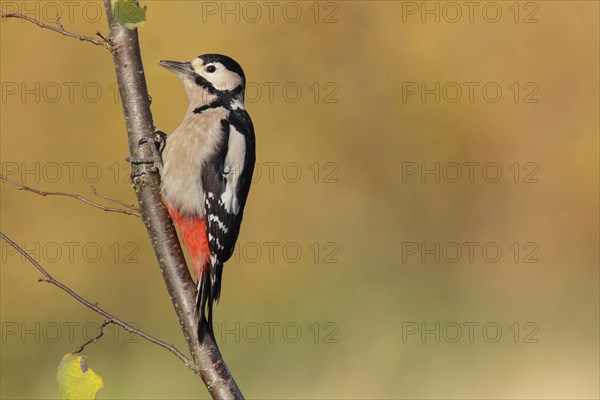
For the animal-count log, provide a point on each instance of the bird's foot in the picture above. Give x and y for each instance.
(160, 140)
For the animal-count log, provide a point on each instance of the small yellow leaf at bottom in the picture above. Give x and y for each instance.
(76, 380)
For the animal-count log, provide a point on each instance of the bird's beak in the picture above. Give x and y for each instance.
(180, 68)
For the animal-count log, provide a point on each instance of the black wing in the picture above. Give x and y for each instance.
(222, 224)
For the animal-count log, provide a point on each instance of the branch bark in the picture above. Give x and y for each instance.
(140, 129)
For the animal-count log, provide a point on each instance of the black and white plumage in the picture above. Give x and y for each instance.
(226, 180)
(208, 163)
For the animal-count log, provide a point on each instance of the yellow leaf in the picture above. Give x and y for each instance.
(76, 380)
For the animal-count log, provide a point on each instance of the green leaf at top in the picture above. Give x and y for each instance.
(76, 380)
(128, 13)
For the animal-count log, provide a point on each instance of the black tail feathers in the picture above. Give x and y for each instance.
(209, 290)
(216, 272)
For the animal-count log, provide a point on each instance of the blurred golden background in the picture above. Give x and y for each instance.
(423, 221)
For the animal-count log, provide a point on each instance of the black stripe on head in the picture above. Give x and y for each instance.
(214, 104)
(228, 62)
(200, 81)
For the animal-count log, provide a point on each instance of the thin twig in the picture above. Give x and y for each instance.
(121, 202)
(102, 37)
(129, 211)
(60, 29)
(95, 338)
(111, 318)
(58, 22)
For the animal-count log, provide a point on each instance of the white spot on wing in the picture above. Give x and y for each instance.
(234, 166)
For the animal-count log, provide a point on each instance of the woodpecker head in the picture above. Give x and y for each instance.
(210, 77)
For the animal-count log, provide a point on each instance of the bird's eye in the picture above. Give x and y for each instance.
(210, 69)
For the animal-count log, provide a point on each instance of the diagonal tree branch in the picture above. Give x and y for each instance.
(109, 317)
(130, 210)
(60, 29)
(140, 129)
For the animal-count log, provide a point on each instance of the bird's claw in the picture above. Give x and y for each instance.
(160, 140)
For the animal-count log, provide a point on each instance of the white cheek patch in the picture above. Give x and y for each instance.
(230, 79)
(221, 79)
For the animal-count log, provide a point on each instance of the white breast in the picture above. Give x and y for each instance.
(187, 149)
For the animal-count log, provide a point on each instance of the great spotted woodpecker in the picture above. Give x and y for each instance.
(207, 169)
